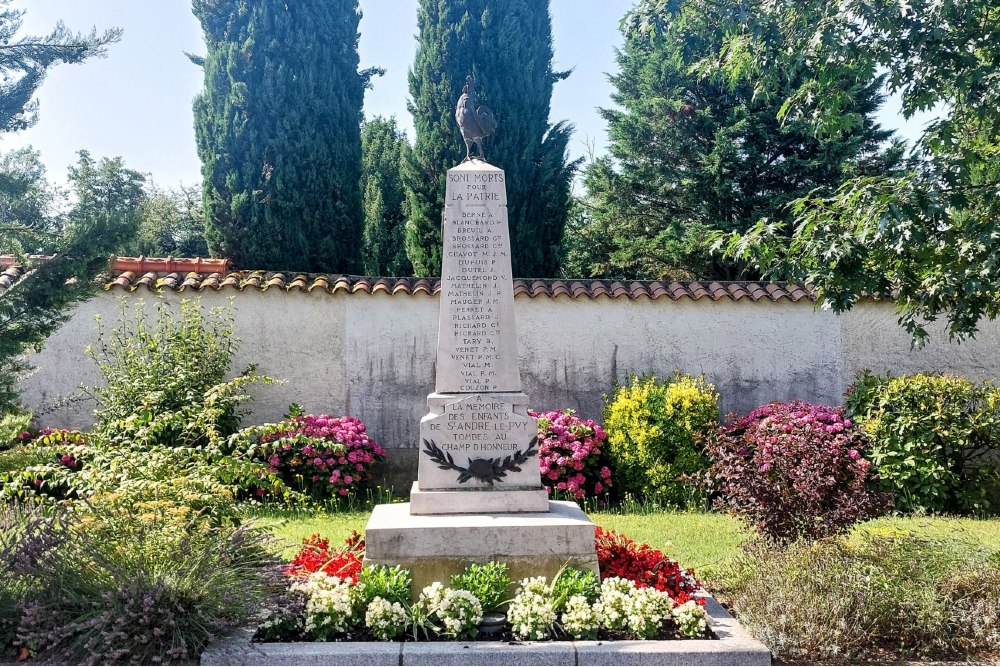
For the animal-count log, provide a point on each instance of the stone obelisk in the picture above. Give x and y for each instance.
(478, 495)
(478, 450)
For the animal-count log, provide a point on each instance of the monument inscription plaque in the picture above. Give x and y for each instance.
(477, 340)
(479, 441)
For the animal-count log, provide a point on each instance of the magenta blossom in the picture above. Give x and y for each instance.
(570, 454)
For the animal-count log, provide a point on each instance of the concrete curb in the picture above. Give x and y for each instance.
(733, 647)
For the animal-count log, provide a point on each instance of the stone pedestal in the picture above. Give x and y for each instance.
(435, 547)
(478, 454)
(478, 495)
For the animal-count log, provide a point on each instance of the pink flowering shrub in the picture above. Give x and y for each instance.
(320, 455)
(570, 455)
(795, 470)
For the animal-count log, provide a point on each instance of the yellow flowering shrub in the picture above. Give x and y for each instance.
(655, 431)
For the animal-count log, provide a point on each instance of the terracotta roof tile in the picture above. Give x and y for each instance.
(9, 276)
(151, 273)
(181, 279)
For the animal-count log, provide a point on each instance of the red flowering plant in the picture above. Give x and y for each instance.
(316, 555)
(619, 556)
(319, 455)
(67, 446)
(795, 470)
(570, 454)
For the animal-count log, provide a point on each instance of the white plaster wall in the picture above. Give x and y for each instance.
(874, 340)
(753, 353)
(372, 356)
(294, 337)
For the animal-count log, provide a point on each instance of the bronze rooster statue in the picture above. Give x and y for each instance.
(475, 124)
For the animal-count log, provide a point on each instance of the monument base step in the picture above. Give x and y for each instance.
(434, 547)
(475, 501)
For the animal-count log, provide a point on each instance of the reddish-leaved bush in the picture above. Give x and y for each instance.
(619, 556)
(795, 470)
(316, 555)
(570, 455)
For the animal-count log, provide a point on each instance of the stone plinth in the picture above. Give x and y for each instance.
(436, 547)
(471, 501)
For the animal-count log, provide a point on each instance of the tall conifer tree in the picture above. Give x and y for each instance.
(383, 149)
(507, 46)
(692, 154)
(279, 133)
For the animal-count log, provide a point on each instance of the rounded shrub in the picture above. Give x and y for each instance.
(936, 440)
(571, 456)
(868, 598)
(319, 455)
(795, 470)
(655, 432)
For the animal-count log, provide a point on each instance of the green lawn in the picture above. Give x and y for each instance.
(702, 541)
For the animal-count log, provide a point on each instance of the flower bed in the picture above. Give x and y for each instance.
(732, 646)
(644, 595)
(319, 455)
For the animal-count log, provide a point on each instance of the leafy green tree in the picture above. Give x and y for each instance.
(383, 150)
(34, 306)
(103, 218)
(507, 46)
(25, 60)
(693, 151)
(278, 131)
(27, 199)
(929, 236)
(171, 224)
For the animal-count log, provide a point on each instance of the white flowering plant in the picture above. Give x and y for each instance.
(622, 607)
(450, 612)
(579, 618)
(691, 619)
(386, 620)
(531, 613)
(329, 604)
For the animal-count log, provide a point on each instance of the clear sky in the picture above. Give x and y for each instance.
(136, 103)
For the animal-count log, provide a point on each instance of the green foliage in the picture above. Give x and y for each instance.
(928, 237)
(694, 150)
(27, 201)
(171, 224)
(164, 416)
(384, 149)
(570, 581)
(507, 46)
(870, 598)
(103, 217)
(154, 367)
(25, 60)
(391, 583)
(19, 458)
(489, 582)
(131, 582)
(12, 425)
(655, 432)
(936, 440)
(278, 132)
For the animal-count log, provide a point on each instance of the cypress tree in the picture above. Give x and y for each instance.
(383, 149)
(507, 46)
(278, 131)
